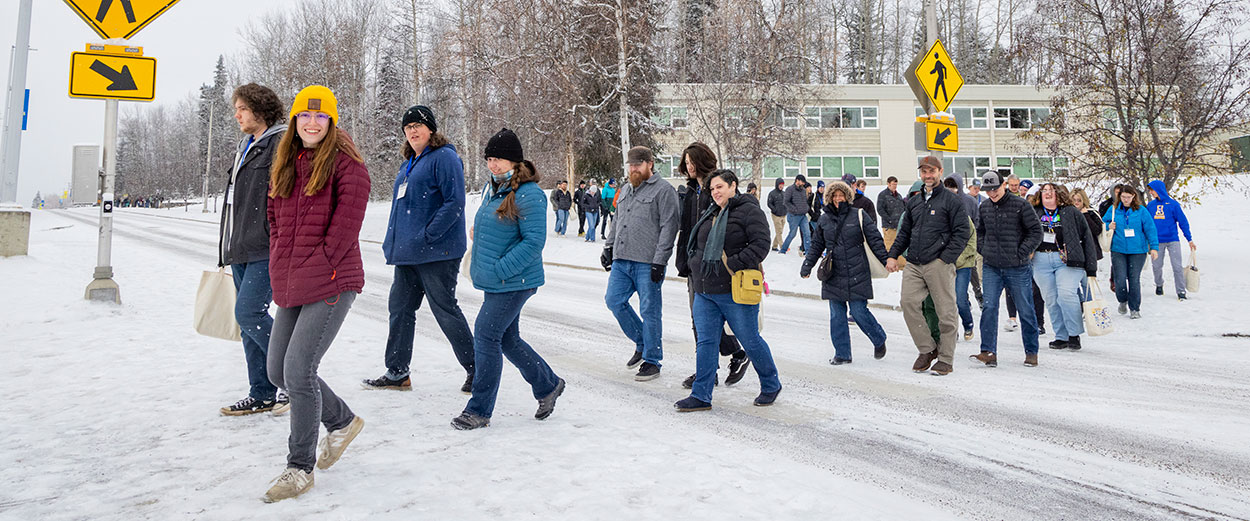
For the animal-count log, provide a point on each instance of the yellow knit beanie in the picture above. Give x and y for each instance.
(315, 98)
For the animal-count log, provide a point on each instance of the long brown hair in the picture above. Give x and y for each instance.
(1129, 189)
(522, 172)
(437, 139)
(1061, 195)
(704, 161)
(282, 172)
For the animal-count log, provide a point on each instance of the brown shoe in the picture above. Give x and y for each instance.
(942, 368)
(989, 358)
(1030, 360)
(923, 361)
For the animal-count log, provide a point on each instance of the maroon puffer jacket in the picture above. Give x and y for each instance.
(314, 240)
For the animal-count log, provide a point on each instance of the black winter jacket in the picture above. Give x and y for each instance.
(1075, 239)
(890, 207)
(796, 200)
(816, 202)
(694, 200)
(561, 199)
(1094, 221)
(1008, 232)
(777, 202)
(590, 201)
(862, 202)
(936, 228)
(577, 200)
(746, 244)
(247, 239)
(839, 233)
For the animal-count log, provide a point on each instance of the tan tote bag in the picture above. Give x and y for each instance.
(214, 306)
(1192, 276)
(1097, 316)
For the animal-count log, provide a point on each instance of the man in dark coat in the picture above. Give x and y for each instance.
(796, 214)
(777, 210)
(890, 207)
(1007, 235)
(581, 208)
(561, 202)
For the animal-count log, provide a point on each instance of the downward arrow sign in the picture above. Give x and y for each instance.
(940, 138)
(121, 80)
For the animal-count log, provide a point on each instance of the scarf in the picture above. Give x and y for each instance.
(714, 247)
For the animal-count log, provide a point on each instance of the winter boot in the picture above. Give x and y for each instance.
(1058, 344)
(737, 368)
(469, 421)
(692, 404)
(291, 483)
(386, 382)
(1158, 290)
(1030, 359)
(766, 399)
(467, 388)
(548, 403)
(648, 371)
(332, 446)
(989, 358)
(1074, 342)
(941, 368)
(924, 361)
(878, 352)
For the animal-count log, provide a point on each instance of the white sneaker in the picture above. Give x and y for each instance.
(334, 443)
(1012, 325)
(291, 483)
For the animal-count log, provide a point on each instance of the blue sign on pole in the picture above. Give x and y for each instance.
(25, 109)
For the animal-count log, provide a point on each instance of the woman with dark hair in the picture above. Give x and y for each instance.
(731, 235)
(1067, 255)
(1134, 236)
(849, 286)
(319, 189)
(509, 233)
(697, 164)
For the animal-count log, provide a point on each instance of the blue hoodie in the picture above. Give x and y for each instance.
(427, 223)
(1168, 214)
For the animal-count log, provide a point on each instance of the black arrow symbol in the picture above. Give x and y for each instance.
(121, 80)
(939, 139)
(104, 10)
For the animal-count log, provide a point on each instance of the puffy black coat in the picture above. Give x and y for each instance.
(1094, 221)
(590, 201)
(747, 238)
(890, 207)
(839, 233)
(864, 203)
(248, 240)
(932, 229)
(694, 200)
(777, 202)
(561, 199)
(1076, 239)
(1008, 232)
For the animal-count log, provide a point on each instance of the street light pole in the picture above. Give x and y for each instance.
(14, 221)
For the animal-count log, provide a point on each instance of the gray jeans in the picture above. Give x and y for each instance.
(1173, 250)
(301, 336)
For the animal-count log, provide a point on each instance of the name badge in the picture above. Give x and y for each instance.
(403, 189)
(1048, 237)
(1129, 232)
(230, 194)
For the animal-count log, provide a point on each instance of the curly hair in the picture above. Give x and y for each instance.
(261, 101)
(704, 161)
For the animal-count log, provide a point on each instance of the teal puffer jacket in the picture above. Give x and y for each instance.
(508, 253)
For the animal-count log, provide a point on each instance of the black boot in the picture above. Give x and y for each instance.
(1074, 342)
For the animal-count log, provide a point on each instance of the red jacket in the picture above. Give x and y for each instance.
(314, 240)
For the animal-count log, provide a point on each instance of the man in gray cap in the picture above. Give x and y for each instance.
(636, 254)
(1007, 234)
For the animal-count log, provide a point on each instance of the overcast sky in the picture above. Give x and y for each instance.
(186, 41)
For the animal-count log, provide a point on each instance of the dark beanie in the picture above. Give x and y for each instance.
(801, 178)
(505, 145)
(420, 114)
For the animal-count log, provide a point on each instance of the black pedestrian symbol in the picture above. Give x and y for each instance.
(940, 70)
(104, 10)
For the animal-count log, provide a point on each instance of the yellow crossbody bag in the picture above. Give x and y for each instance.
(747, 286)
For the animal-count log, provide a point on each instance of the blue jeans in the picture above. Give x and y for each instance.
(591, 219)
(251, 311)
(1061, 289)
(1018, 281)
(562, 221)
(711, 312)
(1126, 275)
(626, 278)
(497, 334)
(798, 224)
(412, 284)
(840, 330)
(963, 276)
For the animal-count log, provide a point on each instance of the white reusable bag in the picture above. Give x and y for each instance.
(214, 306)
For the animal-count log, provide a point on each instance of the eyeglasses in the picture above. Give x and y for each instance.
(322, 117)
(412, 126)
(1048, 190)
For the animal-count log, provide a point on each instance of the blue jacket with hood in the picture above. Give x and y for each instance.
(427, 223)
(1168, 214)
(1144, 238)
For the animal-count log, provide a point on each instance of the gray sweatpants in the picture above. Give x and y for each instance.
(301, 336)
(1173, 250)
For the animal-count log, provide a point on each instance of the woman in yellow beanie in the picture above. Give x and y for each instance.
(318, 191)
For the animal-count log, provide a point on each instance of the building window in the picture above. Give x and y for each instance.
(870, 117)
(1016, 118)
(980, 117)
(1040, 167)
(834, 167)
(789, 119)
(671, 117)
(840, 117)
(811, 117)
(679, 117)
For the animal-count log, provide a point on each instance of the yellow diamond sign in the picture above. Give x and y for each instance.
(934, 74)
(111, 76)
(119, 18)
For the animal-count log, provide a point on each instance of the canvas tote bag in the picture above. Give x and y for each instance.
(214, 306)
(874, 266)
(1097, 316)
(1192, 275)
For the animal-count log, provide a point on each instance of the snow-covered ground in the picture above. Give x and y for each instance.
(112, 410)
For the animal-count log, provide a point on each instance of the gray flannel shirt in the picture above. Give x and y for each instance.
(646, 222)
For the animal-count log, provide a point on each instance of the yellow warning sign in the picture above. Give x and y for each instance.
(110, 76)
(941, 135)
(119, 18)
(934, 75)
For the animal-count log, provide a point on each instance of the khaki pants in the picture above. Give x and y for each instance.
(888, 235)
(935, 279)
(779, 229)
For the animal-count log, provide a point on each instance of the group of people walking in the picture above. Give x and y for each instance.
(296, 201)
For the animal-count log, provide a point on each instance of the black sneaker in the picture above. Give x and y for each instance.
(1074, 342)
(1058, 344)
(467, 388)
(766, 399)
(281, 403)
(548, 403)
(634, 360)
(468, 421)
(648, 371)
(691, 404)
(1181, 296)
(689, 381)
(1158, 290)
(247, 406)
(385, 382)
(839, 361)
(879, 351)
(1041, 330)
(737, 369)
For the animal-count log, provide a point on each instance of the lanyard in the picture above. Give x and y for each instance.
(1050, 218)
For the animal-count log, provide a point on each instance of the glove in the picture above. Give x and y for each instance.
(657, 272)
(606, 259)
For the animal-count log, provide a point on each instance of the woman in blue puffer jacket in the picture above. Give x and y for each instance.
(509, 232)
(1135, 236)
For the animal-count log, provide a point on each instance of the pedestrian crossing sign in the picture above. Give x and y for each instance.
(935, 74)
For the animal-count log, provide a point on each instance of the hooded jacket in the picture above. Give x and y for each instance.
(970, 202)
(777, 200)
(839, 233)
(1167, 214)
(933, 228)
(746, 244)
(244, 232)
(427, 223)
(1145, 237)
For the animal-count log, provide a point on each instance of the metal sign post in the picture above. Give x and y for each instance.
(102, 287)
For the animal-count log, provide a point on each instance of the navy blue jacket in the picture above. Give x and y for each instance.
(427, 223)
(839, 233)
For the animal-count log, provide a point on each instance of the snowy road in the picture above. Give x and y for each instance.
(1149, 423)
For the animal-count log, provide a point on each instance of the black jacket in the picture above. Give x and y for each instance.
(864, 203)
(815, 201)
(777, 202)
(839, 233)
(247, 239)
(694, 200)
(1075, 239)
(590, 201)
(1094, 221)
(890, 207)
(746, 244)
(577, 200)
(1008, 232)
(936, 228)
(561, 199)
